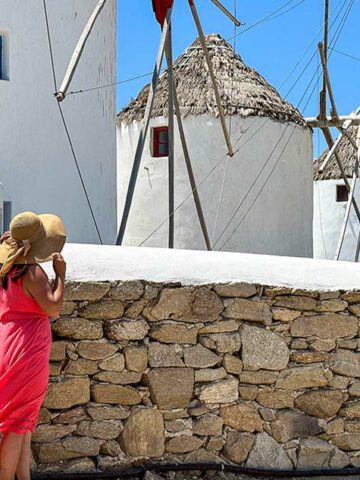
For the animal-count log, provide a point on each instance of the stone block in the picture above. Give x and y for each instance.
(163, 355)
(96, 350)
(209, 425)
(242, 417)
(275, 398)
(116, 363)
(288, 425)
(136, 358)
(200, 357)
(171, 387)
(85, 291)
(224, 391)
(67, 393)
(321, 403)
(143, 434)
(250, 310)
(99, 429)
(125, 291)
(347, 363)
(78, 328)
(263, 349)
(330, 325)
(240, 289)
(173, 333)
(115, 394)
(238, 446)
(298, 378)
(209, 374)
(183, 444)
(124, 330)
(295, 302)
(267, 453)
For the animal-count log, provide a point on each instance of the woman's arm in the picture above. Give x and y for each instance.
(36, 283)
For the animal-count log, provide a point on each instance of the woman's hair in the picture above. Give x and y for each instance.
(19, 271)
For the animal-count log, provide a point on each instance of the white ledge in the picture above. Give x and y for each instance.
(196, 267)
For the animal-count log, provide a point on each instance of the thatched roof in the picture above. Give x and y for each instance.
(243, 90)
(346, 154)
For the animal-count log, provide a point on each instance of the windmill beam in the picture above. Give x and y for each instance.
(226, 12)
(171, 178)
(212, 75)
(61, 93)
(329, 122)
(144, 129)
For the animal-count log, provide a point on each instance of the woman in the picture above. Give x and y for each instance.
(26, 302)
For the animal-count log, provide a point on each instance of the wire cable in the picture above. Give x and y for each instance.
(65, 124)
(345, 54)
(120, 82)
(269, 17)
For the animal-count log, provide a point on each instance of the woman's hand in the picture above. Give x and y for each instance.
(59, 265)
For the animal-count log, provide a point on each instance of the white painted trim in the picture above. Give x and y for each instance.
(195, 267)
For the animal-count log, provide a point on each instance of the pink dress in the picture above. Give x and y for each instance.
(25, 344)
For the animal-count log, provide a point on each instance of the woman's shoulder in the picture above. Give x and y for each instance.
(36, 272)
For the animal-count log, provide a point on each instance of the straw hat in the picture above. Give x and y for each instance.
(32, 239)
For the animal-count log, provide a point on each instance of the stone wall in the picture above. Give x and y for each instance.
(255, 375)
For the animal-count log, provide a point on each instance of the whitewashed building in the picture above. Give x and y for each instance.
(330, 200)
(258, 201)
(36, 163)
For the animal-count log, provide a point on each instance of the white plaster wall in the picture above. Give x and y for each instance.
(107, 263)
(328, 220)
(280, 221)
(36, 164)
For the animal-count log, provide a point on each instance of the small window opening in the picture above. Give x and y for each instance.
(160, 142)
(342, 194)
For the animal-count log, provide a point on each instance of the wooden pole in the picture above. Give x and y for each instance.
(322, 50)
(169, 58)
(226, 12)
(60, 95)
(349, 202)
(322, 107)
(212, 75)
(144, 129)
(190, 172)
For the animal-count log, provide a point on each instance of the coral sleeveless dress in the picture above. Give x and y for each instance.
(25, 344)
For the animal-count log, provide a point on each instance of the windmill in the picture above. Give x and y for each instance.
(163, 13)
(343, 124)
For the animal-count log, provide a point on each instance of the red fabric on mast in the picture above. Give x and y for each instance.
(160, 8)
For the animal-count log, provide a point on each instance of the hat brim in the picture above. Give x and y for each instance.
(42, 250)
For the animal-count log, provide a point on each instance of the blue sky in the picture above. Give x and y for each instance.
(273, 47)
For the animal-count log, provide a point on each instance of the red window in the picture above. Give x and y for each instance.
(160, 142)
